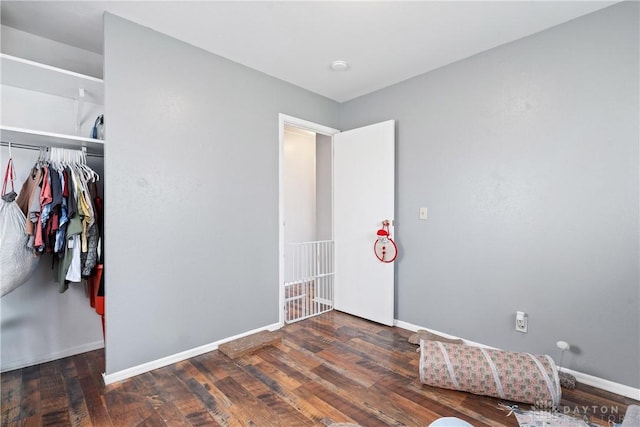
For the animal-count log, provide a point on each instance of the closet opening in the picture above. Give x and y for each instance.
(306, 226)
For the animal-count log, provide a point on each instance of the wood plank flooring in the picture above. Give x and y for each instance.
(331, 368)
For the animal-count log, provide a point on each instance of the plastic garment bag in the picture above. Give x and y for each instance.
(17, 261)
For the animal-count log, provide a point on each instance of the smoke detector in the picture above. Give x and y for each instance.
(339, 65)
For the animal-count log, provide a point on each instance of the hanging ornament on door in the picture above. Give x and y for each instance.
(384, 247)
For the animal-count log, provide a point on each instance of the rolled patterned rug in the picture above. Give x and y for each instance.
(518, 377)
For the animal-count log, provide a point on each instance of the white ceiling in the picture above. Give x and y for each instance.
(384, 42)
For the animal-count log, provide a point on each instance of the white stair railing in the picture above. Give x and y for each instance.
(308, 279)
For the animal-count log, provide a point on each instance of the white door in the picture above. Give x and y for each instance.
(364, 183)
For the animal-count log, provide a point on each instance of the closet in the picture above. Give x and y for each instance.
(45, 106)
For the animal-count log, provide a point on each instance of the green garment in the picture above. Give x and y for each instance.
(61, 267)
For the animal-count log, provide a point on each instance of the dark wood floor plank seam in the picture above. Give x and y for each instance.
(286, 395)
(275, 356)
(283, 410)
(376, 403)
(54, 401)
(426, 398)
(30, 402)
(259, 386)
(174, 392)
(348, 350)
(318, 409)
(172, 416)
(400, 358)
(95, 404)
(11, 391)
(252, 410)
(202, 386)
(270, 389)
(153, 420)
(345, 405)
(320, 380)
(78, 412)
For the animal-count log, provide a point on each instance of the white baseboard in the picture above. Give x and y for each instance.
(31, 361)
(323, 301)
(412, 327)
(601, 383)
(178, 357)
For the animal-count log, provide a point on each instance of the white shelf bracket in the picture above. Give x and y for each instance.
(79, 106)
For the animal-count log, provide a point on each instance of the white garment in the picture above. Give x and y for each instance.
(74, 272)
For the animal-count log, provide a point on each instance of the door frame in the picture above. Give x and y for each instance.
(283, 120)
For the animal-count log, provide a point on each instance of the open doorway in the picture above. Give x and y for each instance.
(361, 202)
(306, 228)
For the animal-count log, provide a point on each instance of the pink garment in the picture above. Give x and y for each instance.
(45, 194)
(45, 198)
(39, 240)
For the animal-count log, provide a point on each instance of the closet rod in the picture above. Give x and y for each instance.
(34, 147)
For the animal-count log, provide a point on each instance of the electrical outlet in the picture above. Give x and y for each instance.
(522, 321)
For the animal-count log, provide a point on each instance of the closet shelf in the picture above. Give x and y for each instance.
(26, 74)
(34, 76)
(37, 138)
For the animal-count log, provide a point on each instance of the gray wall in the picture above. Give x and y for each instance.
(191, 181)
(526, 155)
(527, 158)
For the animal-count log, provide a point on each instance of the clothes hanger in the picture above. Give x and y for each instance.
(92, 175)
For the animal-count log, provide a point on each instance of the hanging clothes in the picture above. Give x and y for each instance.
(61, 216)
(24, 197)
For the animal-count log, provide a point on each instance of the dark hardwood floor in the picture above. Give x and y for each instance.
(331, 368)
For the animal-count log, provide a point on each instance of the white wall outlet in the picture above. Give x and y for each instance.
(522, 321)
(423, 214)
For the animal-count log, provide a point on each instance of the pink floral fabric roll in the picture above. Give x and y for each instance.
(518, 377)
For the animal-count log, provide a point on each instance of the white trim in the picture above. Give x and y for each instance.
(413, 328)
(601, 383)
(33, 137)
(30, 75)
(23, 363)
(179, 357)
(305, 124)
(6, 59)
(323, 301)
(313, 127)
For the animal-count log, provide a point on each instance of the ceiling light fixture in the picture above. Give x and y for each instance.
(339, 65)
